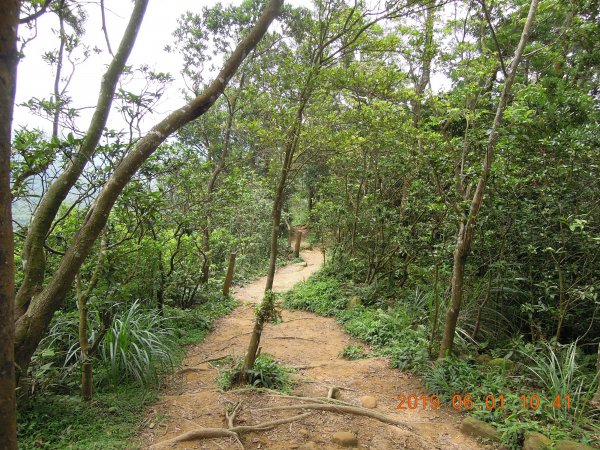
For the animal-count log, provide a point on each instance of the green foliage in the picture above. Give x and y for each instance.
(64, 421)
(268, 310)
(374, 325)
(353, 352)
(391, 333)
(451, 376)
(114, 417)
(557, 370)
(318, 294)
(409, 350)
(266, 373)
(138, 346)
(191, 325)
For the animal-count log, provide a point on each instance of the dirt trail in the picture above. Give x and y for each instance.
(312, 344)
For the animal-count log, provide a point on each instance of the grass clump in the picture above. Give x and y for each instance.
(353, 352)
(138, 346)
(59, 419)
(266, 373)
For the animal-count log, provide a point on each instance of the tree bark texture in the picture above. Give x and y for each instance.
(229, 276)
(9, 19)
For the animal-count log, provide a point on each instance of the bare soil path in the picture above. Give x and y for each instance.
(311, 344)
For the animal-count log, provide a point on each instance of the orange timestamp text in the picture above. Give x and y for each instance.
(490, 402)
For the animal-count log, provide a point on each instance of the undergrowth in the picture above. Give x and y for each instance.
(266, 373)
(65, 422)
(59, 419)
(353, 352)
(401, 331)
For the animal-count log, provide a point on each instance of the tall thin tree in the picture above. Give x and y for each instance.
(466, 230)
(9, 20)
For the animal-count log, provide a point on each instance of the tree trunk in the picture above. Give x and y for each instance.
(297, 243)
(436, 307)
(33, 256)
(291, 145)
(82, 303)
(229, 276)
(9, 19)
(160, 292)
(32, 325)
(84, 345)
(206, 251)
(467, 225)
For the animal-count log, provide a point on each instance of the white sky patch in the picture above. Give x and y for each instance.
(36, 77)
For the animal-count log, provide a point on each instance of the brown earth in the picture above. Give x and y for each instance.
(312, 345)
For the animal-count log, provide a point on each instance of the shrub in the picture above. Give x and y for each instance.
(317, 294)
(556, 368)
(138, 346)
(374, 325)
(266, 373)
(409, 351)
(191, 325)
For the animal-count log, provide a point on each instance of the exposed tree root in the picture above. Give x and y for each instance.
(189, 370)
(295, 338)
(219, 358)
(343, 409)
(231, 432)
(202, 433)
(268, 425)
(300, 318)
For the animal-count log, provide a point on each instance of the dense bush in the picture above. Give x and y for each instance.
(319, 294)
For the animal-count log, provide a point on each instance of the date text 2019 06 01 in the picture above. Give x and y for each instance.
(489, 402)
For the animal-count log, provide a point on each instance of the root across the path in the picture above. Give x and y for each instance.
(233, 431)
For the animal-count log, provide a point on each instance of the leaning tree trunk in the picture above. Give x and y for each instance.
(9, 19)
(467, 225)
(32, 325)
(33, 255)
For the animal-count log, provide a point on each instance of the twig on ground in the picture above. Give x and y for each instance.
(213, 359)
(298, 338)
(189, 369)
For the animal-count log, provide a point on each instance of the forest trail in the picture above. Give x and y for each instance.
(312, 344)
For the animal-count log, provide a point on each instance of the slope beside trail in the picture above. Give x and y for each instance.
(312, 345)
